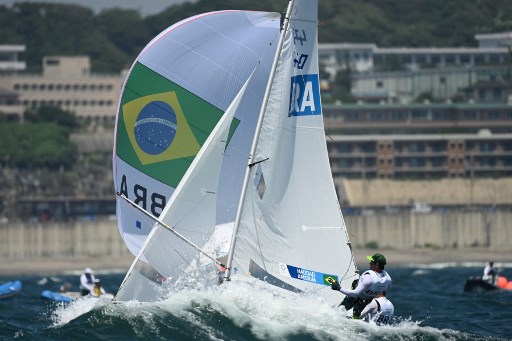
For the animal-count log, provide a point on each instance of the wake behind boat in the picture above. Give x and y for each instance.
(220, 120)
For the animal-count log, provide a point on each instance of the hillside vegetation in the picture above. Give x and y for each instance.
(114, 37)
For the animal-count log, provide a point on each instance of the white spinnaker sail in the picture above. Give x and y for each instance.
(291, 231)
(174, 94)
(165, 259)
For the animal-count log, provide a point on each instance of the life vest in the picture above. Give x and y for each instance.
(380, 282)
(97, 291)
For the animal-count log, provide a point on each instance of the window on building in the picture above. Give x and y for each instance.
(470, 115)
(493, 115)
(440, 115)
(487, 146)
(479, 59)
(421, 114)
(436, 162)
(416, 162)
(376, 116)
(397, 116)
(416, 147)
(52, 61)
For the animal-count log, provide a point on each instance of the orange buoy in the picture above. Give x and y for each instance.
(501, 282)
(508, 286)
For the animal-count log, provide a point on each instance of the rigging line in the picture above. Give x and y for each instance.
(171, 229)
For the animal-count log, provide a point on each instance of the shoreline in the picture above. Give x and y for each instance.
(395, 258)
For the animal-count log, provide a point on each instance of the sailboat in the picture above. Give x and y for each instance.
(220, 121)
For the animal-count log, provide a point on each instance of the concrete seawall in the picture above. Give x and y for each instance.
(490, 230)
(98, 239)
(61, 240)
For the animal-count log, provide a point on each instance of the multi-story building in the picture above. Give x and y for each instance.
(492, 49)
(402, 75)
(67, 82)
(10, 65)
(419, 141)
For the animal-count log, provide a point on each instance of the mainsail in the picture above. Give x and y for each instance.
(288, 229)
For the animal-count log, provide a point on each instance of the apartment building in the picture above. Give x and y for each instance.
(66, 82)
(419, 141)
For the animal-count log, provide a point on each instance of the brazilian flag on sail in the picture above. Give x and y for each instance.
(161, 126)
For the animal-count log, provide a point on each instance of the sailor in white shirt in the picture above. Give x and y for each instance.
(371, 283)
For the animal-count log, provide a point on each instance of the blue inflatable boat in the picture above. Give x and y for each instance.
(10, 289)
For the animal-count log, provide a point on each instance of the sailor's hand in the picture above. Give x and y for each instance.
(335, 286)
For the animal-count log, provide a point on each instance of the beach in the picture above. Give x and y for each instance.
(47, 266)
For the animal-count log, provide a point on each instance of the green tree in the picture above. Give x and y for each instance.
(50, 114)
(36, 146)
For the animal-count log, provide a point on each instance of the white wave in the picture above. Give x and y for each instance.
(419, 272)
(67, 312)
(268, 314)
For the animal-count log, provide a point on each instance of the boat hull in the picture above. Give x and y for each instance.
(477, 284)
(10, 289)
(55, 296)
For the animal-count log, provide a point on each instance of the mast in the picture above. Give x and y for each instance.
(251, 163)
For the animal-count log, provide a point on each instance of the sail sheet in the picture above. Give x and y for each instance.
(170, 255)
(291, 231)
(174, 94)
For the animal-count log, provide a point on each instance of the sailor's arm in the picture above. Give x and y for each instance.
(363, 285)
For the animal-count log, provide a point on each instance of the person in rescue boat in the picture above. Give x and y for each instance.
(489, 273)
(370, 284)
(86, 282)
(380, 310)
